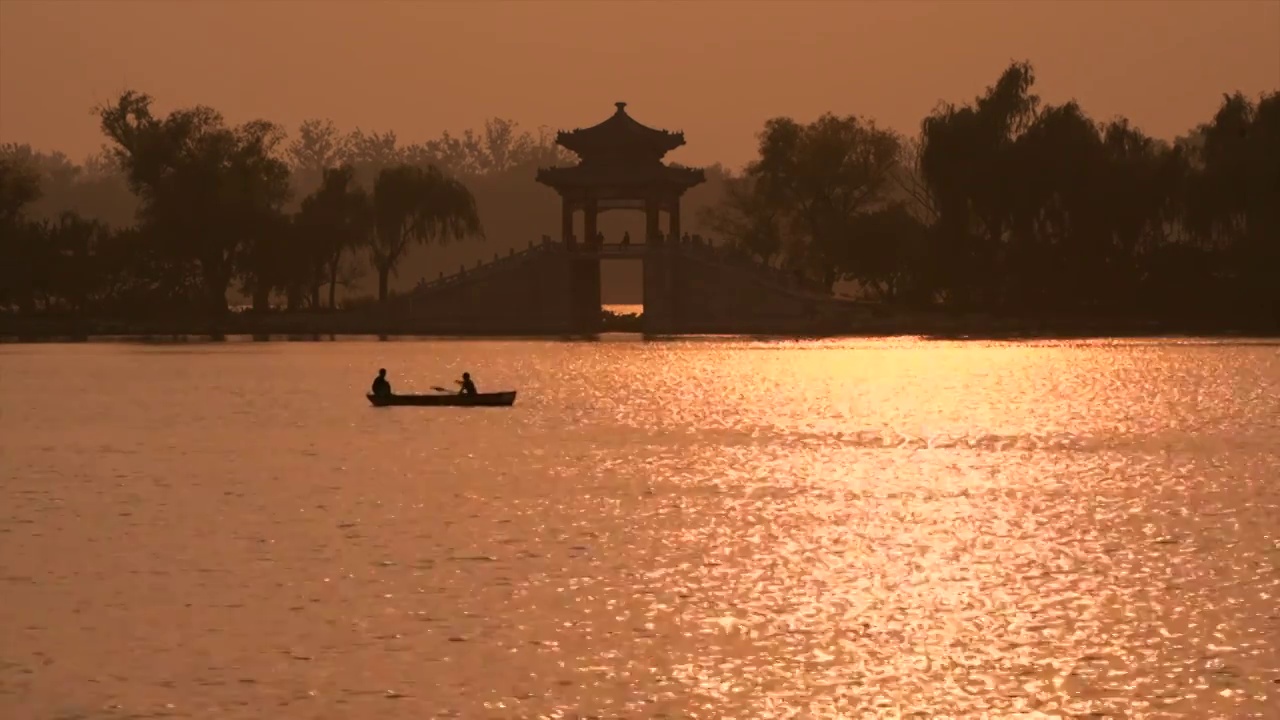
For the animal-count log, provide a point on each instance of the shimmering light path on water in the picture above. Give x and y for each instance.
(699, 529)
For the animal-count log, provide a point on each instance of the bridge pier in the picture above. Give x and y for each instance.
(584, 292)
(661, 302)
(652, 228)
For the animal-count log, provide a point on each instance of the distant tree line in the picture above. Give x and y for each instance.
(1002, 205)
(180, 209)
(1011, 206)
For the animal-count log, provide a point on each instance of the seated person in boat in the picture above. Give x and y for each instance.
(468, 387)
(380, 384)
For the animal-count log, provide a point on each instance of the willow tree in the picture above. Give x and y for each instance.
(966, 159)
(416, 205)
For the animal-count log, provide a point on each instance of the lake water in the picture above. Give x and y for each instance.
(624, 309)
(702, 529)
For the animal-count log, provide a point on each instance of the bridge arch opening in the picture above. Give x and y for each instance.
(621, 269)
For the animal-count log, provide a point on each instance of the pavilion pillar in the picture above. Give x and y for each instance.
(584, 274)
(673, 223)
(652, 228)
(566, 222)
(589, 213)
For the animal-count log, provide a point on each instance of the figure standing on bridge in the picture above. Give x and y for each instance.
(626, 238)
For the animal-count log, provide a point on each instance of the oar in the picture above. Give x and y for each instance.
(440, 389)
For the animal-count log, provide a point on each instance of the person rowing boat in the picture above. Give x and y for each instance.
(468, 387)
(381, 387)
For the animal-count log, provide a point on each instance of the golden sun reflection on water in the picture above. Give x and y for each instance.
(705, 529)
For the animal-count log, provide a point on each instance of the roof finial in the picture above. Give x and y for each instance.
(621, 106)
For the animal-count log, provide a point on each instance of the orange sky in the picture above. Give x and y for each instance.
(716, 70)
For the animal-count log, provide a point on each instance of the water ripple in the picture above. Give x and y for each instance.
(711, 529)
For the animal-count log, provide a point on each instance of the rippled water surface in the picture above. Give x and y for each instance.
(704, 529)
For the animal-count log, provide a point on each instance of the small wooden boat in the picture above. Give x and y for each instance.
(495, 399)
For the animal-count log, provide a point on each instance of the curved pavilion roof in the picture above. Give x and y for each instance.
(617, 131)
(620, 157)
(627, 181)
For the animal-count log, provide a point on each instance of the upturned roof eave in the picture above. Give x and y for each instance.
(584, 146)
(579, 177)
(616, 131)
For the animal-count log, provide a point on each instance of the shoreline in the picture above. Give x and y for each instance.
(325, 327)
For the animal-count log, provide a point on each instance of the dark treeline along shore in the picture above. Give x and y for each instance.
(1004, 206)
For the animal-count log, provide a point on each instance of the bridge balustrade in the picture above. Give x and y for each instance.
(722, 254)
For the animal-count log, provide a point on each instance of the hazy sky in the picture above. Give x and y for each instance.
(716, 70)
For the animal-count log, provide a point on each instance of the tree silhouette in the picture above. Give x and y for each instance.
(821, 176)
(19, 186)
(1234, 198)
(1003, 204)
(94, 189)
(754, 225)
(497, 148)
(369, 153)
(76, 275)
(317, 147)
(966, 161)
(888, 256)
(336, 220)
(208, 191)
(416, 205)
